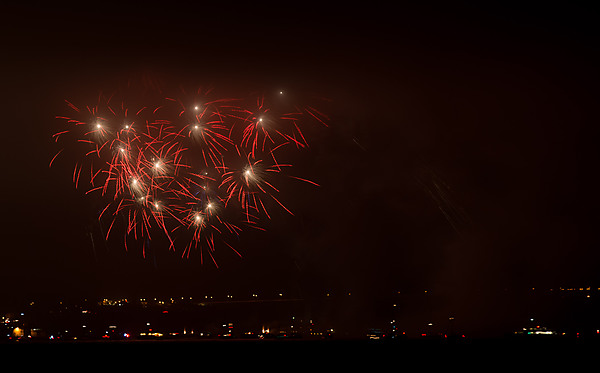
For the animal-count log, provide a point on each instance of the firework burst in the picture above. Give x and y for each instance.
(195, 169)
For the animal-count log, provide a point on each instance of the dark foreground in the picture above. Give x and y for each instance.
(322, 354)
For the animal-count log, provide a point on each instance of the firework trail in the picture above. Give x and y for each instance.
(194, 169)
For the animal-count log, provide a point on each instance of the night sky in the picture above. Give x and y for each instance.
(460, 155)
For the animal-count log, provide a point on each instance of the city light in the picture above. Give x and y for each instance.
(82, 324)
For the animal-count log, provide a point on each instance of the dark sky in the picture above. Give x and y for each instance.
(460, 154)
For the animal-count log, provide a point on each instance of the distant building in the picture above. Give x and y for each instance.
(375, 334)
(18, 332)
(536, 330)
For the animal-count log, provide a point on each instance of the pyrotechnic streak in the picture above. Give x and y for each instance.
(194, 168)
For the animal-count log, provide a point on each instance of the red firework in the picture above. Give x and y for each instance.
(192, 169)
